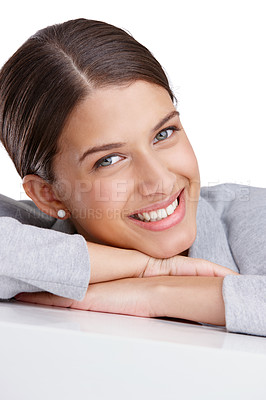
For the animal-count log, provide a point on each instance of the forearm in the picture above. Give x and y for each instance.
(193, 298)
(110, 263)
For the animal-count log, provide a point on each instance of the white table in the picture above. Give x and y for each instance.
(56, 353)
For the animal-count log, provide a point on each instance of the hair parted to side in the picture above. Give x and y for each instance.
(51, 73)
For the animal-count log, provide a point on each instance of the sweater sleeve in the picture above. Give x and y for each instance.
(245, 294)
(245, 304)
(34, 259)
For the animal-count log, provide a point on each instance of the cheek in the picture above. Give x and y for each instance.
(103, 194)
(184, 161)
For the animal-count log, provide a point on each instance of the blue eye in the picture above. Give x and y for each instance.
(114, 158)
(105, 162)
(164, 134)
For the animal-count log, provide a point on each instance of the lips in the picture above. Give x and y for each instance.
(158, 206)
(163, 224)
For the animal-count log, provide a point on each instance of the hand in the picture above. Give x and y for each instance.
(185, 266)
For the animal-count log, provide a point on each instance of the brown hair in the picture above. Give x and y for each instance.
(54, 70)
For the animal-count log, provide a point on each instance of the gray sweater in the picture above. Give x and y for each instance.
(41, 253)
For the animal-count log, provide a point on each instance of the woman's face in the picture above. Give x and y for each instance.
(138, 157)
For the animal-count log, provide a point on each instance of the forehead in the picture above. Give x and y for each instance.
(115, 113)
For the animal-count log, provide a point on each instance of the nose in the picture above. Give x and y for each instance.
(155, 176)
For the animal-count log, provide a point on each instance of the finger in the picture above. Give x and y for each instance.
(44, 298)
(209, 268)
(184, 266)
(200, 267)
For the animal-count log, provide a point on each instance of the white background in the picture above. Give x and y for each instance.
(214, 54)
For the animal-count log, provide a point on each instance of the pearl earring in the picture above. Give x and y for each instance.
(61, 213)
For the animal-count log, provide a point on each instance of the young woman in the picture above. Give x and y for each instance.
(90, 122)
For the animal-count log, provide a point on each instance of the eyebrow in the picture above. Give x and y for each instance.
(111, 146)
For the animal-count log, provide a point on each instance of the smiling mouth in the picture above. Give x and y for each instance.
(159, 214)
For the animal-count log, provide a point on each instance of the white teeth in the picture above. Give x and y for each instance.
(153, 215)
(158, 214)
(170, 209)
(141, 217)
(164, 213)
(146, 216)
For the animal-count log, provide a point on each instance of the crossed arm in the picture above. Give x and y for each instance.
(129, 282)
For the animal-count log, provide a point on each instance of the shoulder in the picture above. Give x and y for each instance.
(234, 198)
(242, 211)
(25, 211)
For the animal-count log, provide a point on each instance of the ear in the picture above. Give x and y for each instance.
(43, 196)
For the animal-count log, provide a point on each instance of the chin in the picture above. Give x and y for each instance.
(171, 249)
(162, 253)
